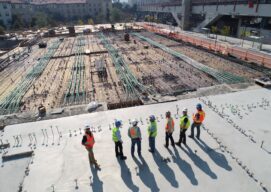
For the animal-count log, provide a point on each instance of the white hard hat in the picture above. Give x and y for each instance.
(87, 126)
(185, 110)
(134, 122)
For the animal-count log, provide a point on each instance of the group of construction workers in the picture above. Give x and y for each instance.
(134, 134)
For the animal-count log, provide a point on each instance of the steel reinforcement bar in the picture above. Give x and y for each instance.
(131, 85)
(221, 76)
(75, 93)
(11, 103)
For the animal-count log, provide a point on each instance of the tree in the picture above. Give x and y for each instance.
(17, 21)
(2, 30)
(80, 22)
(115, 15)
(40, 20)
(90, 21)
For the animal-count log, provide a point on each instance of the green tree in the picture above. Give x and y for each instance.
(80, 22)
(115, 15)
(2, 30)
(40, 20)
(17, 22)
(90, 21)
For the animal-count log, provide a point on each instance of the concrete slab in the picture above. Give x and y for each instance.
(223, 160)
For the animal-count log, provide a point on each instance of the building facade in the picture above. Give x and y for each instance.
(67, 9)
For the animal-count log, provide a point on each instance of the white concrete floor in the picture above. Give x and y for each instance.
(214, 163)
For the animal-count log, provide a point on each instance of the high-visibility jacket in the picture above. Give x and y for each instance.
(170, 125)
(90, 141)
(134, 132)
(152, 129)
(114, 134)
(201, 117)
(184, 125)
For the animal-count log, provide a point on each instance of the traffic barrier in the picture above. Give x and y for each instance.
(213, 45)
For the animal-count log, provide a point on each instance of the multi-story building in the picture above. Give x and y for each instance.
(68, 9)
(5, 13)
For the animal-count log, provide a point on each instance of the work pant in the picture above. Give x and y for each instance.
(91, 157)
(137, 142)
(182, 136)
(169, 136)
(118, 149)
(152, 143)
(197, 125)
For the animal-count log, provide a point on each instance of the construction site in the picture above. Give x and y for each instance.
(121, 67)
(129, 72)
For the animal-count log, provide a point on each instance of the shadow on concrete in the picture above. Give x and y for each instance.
(217, 157)
(146, 176)
(201, 164)
(127, 176)
(185, 167)
(97, 184)
(165, 170)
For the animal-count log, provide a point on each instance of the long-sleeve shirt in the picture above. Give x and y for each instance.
(134, 132)
(118, 135)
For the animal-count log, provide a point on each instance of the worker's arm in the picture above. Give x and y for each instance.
(139, 132)
(84, 140)
(129, 133)
(118, 136)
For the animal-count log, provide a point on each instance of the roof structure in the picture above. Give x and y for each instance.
(42, 2)
(233, 153)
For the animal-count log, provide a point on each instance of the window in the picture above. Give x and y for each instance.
(5, 6)
(7, 14)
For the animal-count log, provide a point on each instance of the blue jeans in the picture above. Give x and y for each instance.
(197, 125)
(152, 143)
(137, 142)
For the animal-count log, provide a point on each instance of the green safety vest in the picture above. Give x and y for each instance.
(182, 124)
(153, 133)
(114, 136)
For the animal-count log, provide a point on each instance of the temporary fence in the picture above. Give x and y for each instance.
(214, 45)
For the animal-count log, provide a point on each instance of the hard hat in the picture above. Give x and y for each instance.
(87, 126)
(199, 106)
(168, 113)
(118, 123)
(185, 110)
(134, 122)
(152, 118)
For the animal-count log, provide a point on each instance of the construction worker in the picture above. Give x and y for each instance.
(198, 118)
(152, 132)
(184, 125)
(88, 141)
(135, 134)
(116, 136)
(169, 130)
(42, 111)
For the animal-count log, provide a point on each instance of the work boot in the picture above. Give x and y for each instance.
(123, 158)
(97, 166)
(198, 137)
(191, 136)
(151, 151)
(178, 143)
(166, 146)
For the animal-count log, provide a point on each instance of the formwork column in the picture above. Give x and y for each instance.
(186, 11)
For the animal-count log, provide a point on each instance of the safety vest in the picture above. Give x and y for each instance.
(201, 117)
(170, 125)
(153, 126)
(182, 124)
(133, 132)
(114, 135)
(90, 141)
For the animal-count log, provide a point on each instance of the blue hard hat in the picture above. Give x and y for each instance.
(152, 118)
(117, 123)
(199, 106)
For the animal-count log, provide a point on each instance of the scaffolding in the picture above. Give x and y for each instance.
(11, 103)
(221, 76)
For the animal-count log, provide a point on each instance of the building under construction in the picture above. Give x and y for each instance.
(120, 67)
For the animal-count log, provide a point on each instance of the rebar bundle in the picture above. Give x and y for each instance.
(75, 93)
(221, 76)
(131, 85)
(11, 103)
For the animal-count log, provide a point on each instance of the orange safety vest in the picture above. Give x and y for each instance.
(201, 117)
(133, 132)
(170, 125)
(90, 141)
